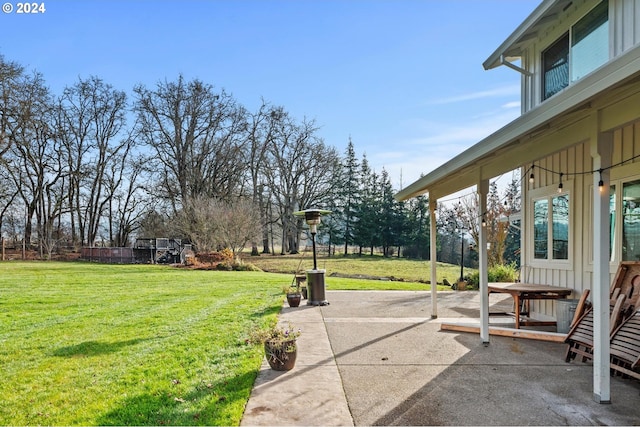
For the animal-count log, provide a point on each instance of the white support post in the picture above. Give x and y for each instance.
(434, 257)
(483, 191)
(601, 145)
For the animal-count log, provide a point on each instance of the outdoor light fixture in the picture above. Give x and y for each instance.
(560, 185)
(315, 277)
(601, 182)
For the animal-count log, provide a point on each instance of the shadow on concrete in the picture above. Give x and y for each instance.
(411, 373)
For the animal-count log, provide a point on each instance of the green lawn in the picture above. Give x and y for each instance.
(99, 344)
(94, 344)
(415, 272)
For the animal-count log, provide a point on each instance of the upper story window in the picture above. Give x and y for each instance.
(555, 65)
(583, 49)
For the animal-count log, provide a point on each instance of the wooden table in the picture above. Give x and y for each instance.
(522, 293)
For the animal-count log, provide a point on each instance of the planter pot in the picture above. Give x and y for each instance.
(294, 299)
(281, 355)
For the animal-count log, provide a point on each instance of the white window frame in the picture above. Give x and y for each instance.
(616, 253)
(549, 193)
(571, 78)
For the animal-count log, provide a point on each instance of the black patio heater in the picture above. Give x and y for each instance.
(315, 277)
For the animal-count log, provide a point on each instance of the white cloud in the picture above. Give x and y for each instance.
(512, 104)
(412, 157)
(493, 93)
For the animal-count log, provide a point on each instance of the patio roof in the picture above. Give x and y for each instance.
(508, 148)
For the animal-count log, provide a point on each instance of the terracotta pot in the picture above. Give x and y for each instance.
(294, 299)
(281, 355)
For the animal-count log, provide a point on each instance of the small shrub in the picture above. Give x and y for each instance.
(236, 265)
(496, 273)
(215, 257)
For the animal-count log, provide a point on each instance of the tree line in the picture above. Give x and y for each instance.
(97, 165)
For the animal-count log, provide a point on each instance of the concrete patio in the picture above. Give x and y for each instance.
(377, 358)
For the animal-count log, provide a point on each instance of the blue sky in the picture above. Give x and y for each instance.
(402, 78)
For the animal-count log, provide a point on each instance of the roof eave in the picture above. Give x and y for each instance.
(607, 76)
(506, 49)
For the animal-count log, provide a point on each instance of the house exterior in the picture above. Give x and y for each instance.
(577, 143)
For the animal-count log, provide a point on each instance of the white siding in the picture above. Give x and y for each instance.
(624, 30)
(624, 22)
(576, 164)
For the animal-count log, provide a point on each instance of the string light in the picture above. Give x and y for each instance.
(601, 182)
(560, 185)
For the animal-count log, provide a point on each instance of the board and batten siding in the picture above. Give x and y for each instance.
(624, 19)
(624, 33)
(576, 164)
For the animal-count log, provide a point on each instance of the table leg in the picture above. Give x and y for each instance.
(516, 299)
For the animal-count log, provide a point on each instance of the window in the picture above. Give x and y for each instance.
(555, 64)
(541, 228)
(631, 221)
(612, 220)
(589, 41)
(629, 217)
(551, 237)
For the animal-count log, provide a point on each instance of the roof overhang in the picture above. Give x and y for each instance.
(512, 47)
(495, 154)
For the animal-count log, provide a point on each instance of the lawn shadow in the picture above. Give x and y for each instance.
(204, 404)
(94, 348)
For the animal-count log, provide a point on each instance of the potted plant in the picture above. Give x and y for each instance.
(294, 296)
(280, 346)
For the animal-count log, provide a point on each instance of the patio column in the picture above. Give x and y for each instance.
(601, 146)
(433, 234)
(483, 191)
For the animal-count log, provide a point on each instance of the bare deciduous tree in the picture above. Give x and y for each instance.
(91, 116)
(11, 81)
(239, 223)
(196, 136)
(302, 175)
(261, 130)
(213, 224)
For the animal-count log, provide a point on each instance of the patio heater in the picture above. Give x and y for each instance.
(315, 277)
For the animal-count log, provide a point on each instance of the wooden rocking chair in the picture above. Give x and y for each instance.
(625, 347)
(624, 300)
(580, 337)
